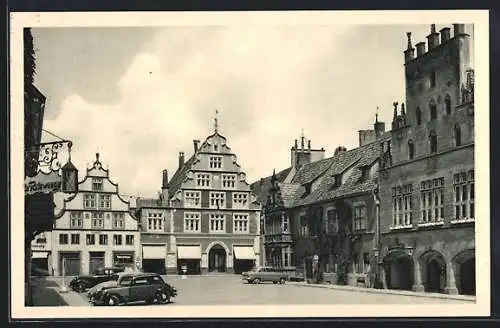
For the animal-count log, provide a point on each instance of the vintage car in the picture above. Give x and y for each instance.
(81, 283)
(264, 274)
(99, 288)
(146, 288)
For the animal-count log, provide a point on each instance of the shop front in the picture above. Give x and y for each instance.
(189, 258)
(244, 258)
(153, 258)
(69, 263)
(123, 259)
(40, 262)
(96, 261)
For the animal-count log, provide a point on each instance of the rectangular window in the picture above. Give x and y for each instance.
(228, 181)
(76, 220)
(217, 223)
(105, 201)
(433, 79)
(402, 205)
(155, 221)
(360, 218)
(129, 239)
(118, 220)
(97, 220)
(331, 222)
(192, 222)
(240, 223)
(356, 267)
(431, 200)
(192, 198)
(286, 223)
(217, 199)
(117, 239)
(103, 239)
(90, 239)
(75, 239)
(240, 200)
(304, 229)
(96, 184)
(63, 238)
(89, 201)
(366, 262)
(463, 184)
(215, 162)
(203, 180)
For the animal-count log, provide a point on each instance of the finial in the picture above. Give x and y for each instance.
(97, 157)
(402, 109)
(273, 178)
(216, 124)
(433, 28)
(408, 35)
(302, 138)
(376, 115)
(395, 104)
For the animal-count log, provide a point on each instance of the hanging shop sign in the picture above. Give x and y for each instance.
(42, 183)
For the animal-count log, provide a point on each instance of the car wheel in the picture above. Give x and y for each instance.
(80, 287)
(256, 281)
(275, 282)
(113, 300)
(163, 298)
(282, 281)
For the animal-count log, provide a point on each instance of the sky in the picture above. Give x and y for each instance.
(139, 96)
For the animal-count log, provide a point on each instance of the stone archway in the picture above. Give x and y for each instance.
(465, 263)
(399, 270)
(433, 271)
(217, 258)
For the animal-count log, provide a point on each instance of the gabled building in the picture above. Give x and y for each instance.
(95, 227)
(427, 171)
(211, 220)
(322, 217)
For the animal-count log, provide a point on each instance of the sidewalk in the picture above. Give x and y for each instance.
(46, 292)
(387, 291)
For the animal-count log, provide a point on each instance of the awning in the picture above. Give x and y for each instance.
(244, 253)
(154, 252)
(40, 255)
(189, 252)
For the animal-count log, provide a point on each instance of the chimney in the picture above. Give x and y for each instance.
(410, 51)
(339, 149)
(181, 159)
(196, 143)
(420, 48)
(458, 29)
(164, 188)
(433, 38)
(445, 34)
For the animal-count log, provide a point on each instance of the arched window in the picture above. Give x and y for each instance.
(411, 149)
(447, 104)
(433, 141)
(419, 116)
(458, 135)
(432, 109)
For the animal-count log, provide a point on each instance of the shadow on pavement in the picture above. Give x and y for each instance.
(45, 294)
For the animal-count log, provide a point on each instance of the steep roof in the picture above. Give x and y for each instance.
(311, 171)
(289, 193)
(179, 176)
(261, 187)
(359, 157)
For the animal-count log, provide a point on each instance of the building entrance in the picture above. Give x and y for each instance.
(217, 259)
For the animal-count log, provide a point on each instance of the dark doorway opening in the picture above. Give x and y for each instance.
(217, 259)
(192, 265)
(154, 266)
(468, 277)
(399, 273)
(241, 266)
(436, 274)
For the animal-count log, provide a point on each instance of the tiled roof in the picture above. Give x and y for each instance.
(310, 172)
(261, 187)
(289, 193)
(358, 157)
(176, 181)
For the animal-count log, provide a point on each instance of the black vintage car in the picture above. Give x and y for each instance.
(145, 288)
(81, 283)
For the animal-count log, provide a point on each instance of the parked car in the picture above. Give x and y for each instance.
(264, 274)
(146, 288)
(99, 288)
(81, 283)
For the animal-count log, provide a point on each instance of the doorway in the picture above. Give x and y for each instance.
(217, 259)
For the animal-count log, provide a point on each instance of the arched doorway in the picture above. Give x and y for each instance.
(399, 271)
(217, 259)
(468, 277)
(434, 272)
(466, 271)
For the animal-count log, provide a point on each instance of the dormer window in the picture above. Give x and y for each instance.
(433, 79)
(336, 181)
(365, 170)
(216, 148)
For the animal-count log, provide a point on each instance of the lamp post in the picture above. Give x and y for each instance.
(63, 288)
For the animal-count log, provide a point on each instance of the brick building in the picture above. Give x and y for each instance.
(427, 171)
(95, 227)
